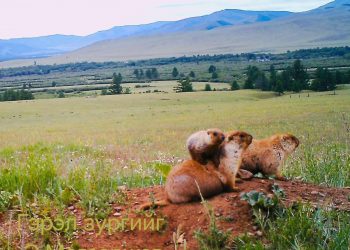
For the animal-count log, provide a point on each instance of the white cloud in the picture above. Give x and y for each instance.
(23, 18)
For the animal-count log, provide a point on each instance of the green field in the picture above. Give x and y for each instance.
(55, 150)
(148, 127)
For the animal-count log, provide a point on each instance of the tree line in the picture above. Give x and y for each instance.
(294, 78)
(84, 66)
(151, 74)
(16, 95)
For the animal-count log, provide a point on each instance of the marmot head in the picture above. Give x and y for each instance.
(216, 136)
(288, 142)
(242, 138)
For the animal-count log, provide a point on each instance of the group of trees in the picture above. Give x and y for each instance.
(175, 74)
(149, 74)
(325, 80)
(115, 88)
(15, 95)
(184, 85)
(294, 78)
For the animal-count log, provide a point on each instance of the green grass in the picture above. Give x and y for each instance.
(298, 226)
(130, 131)
(303, 227)
(59, 152)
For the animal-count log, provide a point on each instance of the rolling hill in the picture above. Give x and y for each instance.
(321, 27)
(58, 44)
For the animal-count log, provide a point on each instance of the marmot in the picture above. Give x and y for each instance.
(181, 183)
(230, 156)
(204, 145)
(267, 155)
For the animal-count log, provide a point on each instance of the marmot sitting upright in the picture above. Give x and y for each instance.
(230, 157)
(267, 155)
(204, 145)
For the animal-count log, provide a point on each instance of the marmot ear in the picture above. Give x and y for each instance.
(250, 138)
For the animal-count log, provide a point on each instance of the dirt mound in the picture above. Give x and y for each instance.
(231, 213)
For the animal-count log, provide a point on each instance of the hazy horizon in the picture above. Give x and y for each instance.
(49, 17)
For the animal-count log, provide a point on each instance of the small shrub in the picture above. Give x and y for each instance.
(207, 87)
(127, 91)
(234, 86)
(61, 94)
(5, 200)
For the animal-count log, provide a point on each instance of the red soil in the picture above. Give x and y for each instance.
(231, 213)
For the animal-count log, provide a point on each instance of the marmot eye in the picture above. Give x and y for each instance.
(215, 134)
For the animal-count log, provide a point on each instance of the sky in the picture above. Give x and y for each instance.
(29, 18)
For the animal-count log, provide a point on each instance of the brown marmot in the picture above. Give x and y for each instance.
(204, 145)
(267, 155)
(181, 184)
(230, 156)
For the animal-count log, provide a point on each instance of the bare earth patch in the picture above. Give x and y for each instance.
(232, 214)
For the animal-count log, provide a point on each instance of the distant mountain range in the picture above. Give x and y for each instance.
(226, 31)
(57, 44)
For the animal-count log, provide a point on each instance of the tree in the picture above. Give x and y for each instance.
(155, 74)
(279, 85)
(207, 87)
(339, 77)
(286, 79)
(137, 73)
(212, 69)
(116, 88)
(149, 74)
(185, 85)
(300, 76)
(324, 81)
(214, 75)
(273, 77)
(61, 94)
(234, 85)
(261, 82)
(252, 75)
(152, 73)
(192, 74)
(347, 77)
(141, 73)
(175, 72)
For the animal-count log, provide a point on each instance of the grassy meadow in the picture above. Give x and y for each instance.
(55, 152)
(154, 127)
